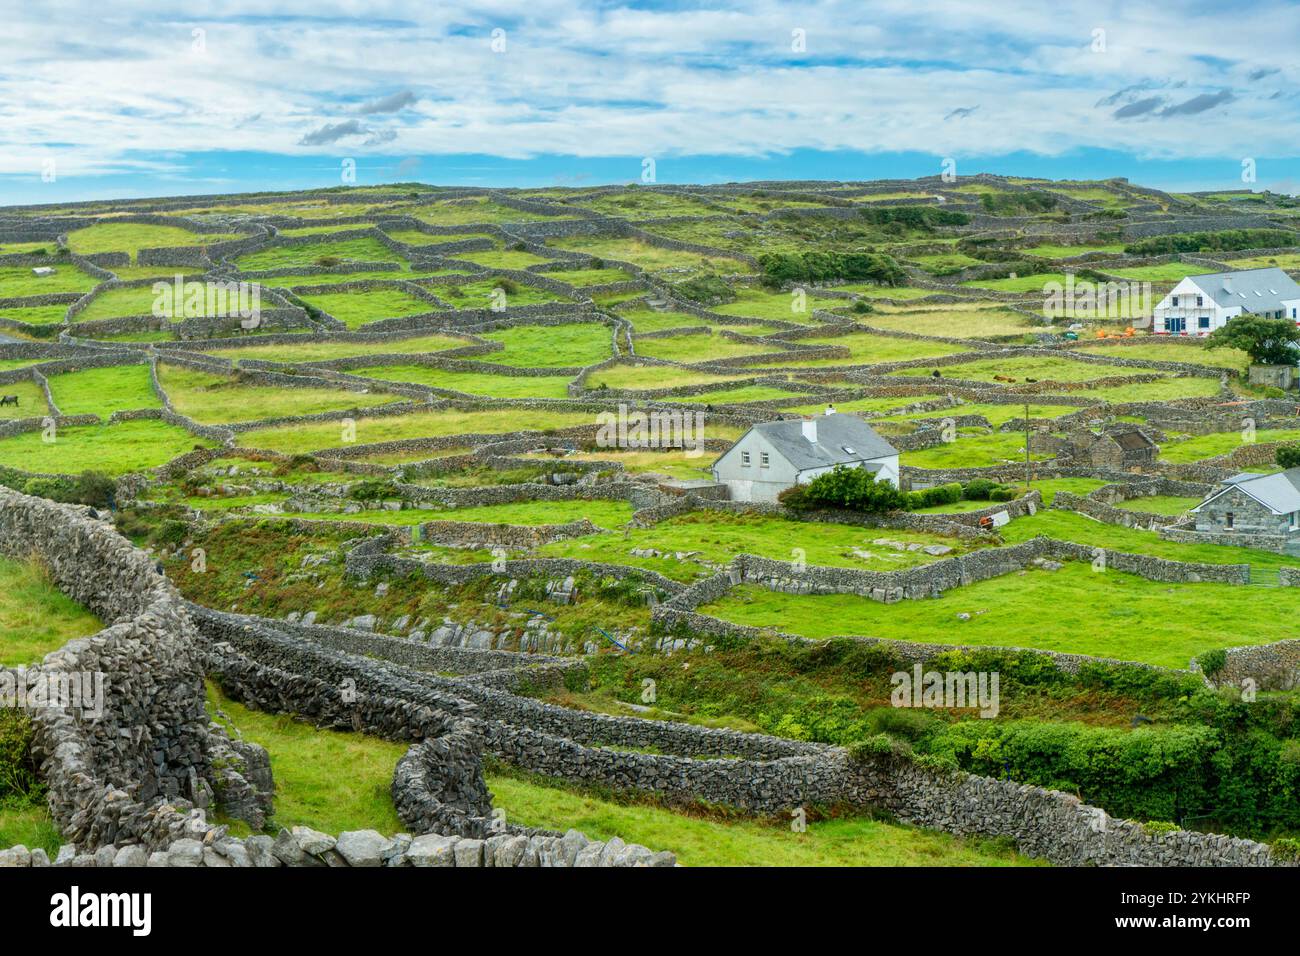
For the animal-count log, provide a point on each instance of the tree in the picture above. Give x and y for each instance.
(1288, 456)
(1266, 341)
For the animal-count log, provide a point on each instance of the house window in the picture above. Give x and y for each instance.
(1227, 520)
(1200, 301)
(744, 459)
(1203, 322)
(763, 460)
(1175, 324)
(1175, 302)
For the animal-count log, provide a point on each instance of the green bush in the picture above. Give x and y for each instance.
(1221, 241)
(934, 497)
(1288, 456)
(17, 772)
(1003, 494)
(709, 289)
(978, 489)
(89, 488)
(372, 490)
(854, 489)
(780, 268)
(1212, 662)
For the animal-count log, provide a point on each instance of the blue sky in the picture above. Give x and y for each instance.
(170, 99)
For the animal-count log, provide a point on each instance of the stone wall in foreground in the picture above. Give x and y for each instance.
(136, 770)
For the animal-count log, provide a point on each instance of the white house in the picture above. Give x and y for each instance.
(1200, 304)
(771, 457)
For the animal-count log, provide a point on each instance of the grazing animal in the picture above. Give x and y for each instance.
(9, 400)
(936, 374)
(1002, 378)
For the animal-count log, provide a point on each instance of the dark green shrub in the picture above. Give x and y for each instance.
(17, 772)
(978, 489)
(1288, 456)
(1212, 662)
(372, 490)
(855, 489)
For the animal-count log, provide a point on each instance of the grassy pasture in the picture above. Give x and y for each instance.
(653, 258)
(552, 346)
(36, 314)
(310, 793)
(433, 424)
(718, 537)
(483, 294)
(216, 399)
(355, 309)
(868, 348)
(606, 514)
(131, 237)
(112, 449)
(345, 250)
(35, 616)
(102, 391)
(654, 376)
(1199, 447)
(1164, 350)
(501, 258)
(1035, 367)
(1107, 614)
(700, 348)
(16, 281)
(297, 352)
(953, 323)
(472, 383)
(755, 303)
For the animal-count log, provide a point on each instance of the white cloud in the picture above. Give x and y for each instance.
(590, 79)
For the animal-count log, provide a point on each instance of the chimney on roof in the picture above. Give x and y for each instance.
(810, 429)
(1227, 284)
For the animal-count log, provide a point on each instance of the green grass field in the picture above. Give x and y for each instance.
(31, 401)
(16, 281)
(310, 793)
(310, 254)
(571, 345)
(301, 438)
(1073, 610)
(131, 237)
(355, 309)
(324, 351)
(472, 383)
(701, 348)
(102, 391)
(36, 314)
(35, 617)
(718, 537)
(214, 399)
(112, 449)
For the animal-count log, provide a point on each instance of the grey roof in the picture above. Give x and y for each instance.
(1254, 290)
(841, 439)
(1279, 491)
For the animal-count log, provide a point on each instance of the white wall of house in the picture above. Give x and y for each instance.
(751, 477)
(1188, 317)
